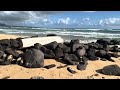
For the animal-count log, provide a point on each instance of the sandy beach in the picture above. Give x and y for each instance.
(19, 72)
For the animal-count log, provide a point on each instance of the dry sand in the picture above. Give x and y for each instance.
(19, 72)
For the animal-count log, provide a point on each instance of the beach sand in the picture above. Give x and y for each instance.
(19, 72)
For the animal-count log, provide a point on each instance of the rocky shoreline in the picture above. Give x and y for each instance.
(69, 53)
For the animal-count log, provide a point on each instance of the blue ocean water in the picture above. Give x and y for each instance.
(84, 35)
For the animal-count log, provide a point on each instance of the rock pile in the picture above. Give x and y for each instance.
(71, 53)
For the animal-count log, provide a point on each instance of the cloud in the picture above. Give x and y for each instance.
(63, 20)
(109, 21)
(13, 17)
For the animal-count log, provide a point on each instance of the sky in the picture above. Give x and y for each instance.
(62, 19)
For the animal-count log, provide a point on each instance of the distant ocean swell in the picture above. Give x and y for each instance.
(85, 35)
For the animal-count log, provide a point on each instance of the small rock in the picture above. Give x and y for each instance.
(49, 66)
(71, 70)
(62, 66)
(36, 77)
(6, 77)
(103, 77)
(96, 74)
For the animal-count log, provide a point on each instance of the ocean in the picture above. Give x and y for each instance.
(84, 35)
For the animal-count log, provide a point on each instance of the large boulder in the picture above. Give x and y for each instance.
(51, 46)
(75, 46)
(115, 42)
(101, 53)
(14, 43)
(66, 50)
(70, 59)
(80, 52)
(58, 53)
(37, 46)
(91, 55)
(74, 41)
(62, 46)
(11, 51)
(115, 49)
(33, 58)
(103, 41)
(67, 44)
(111, 70)
(5, 42)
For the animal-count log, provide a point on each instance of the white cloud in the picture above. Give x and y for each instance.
(63, 20)
(110, 21)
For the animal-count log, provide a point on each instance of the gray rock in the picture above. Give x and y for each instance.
(111, 70)
(33, 58)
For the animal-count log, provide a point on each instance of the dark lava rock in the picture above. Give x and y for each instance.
(74, 41)
(33, 58)
(34, 36)
(74, 57)
(51, 35)
(49, 66)
(1, 60)
(51, 46)
(101, 53)
(106, 47)
(82, 65)
(115, 42)
(48, 54)
(5, 62)
(14, 43)
(67, 44)
(71, 70)
(20, 44)
(5, 42)
(36, 77)
(111, 70)
(1, 48)
(58, 53)
(37, 46)
(66, 50)
(11, 51)
(114, 55)
(80, 52)
(70, 59)
(103, 41)
(86, 47)
(1, 53)
(107, 56)
(115, 49)
(62, 66)
(75, 46)
(62, 46)
(91, 55)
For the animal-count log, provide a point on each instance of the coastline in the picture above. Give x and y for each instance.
(19, 72)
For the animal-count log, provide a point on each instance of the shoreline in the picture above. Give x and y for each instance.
(19, 72)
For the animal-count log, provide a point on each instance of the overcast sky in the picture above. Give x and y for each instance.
(65, 19)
